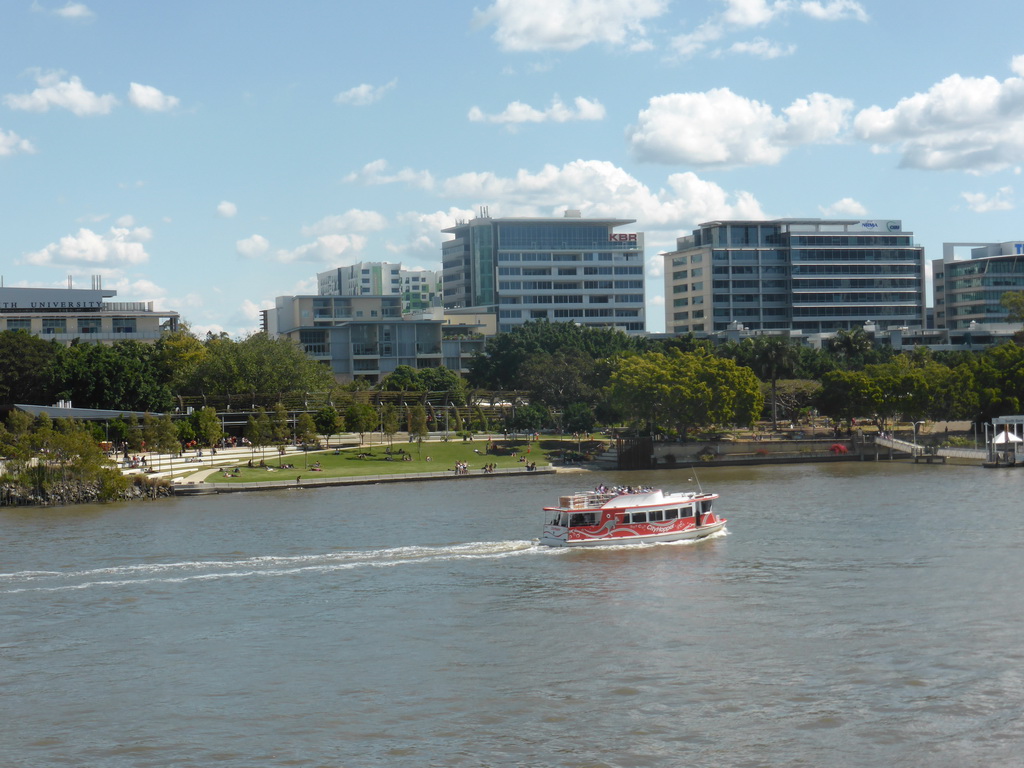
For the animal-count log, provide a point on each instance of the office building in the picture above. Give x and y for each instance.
(419, 288)
(368, 337)
(809, 275)
(967, 291)
(558, 269)
(66, 314)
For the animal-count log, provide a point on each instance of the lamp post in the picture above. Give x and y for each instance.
(916, 425)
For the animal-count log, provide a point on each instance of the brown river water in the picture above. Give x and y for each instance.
(855, 614)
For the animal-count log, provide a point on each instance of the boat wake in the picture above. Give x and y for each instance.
(257, 566)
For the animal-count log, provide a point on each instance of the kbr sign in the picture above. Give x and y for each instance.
(623, 237)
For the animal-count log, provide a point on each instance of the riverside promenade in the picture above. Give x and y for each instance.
(195, 485)
(208, 472)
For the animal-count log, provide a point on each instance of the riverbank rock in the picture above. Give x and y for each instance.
(63, 494)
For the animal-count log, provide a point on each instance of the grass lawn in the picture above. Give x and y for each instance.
(373, 460)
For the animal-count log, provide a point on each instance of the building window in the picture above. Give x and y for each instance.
(54, 325)
(88, 325)
(123, 324)
(19, 324)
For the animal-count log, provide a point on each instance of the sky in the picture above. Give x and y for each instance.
(211, 155)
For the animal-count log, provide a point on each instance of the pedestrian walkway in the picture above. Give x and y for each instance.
(191, 468)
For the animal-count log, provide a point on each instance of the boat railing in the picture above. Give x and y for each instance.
(585, 500)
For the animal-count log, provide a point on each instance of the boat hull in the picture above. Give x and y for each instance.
(555, 537)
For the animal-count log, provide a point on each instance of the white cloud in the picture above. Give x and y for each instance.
(763, 49)
(350, 221)
(252, 247)
(424, 236)
(119, 247)
(250, 310)
(11, 144)
(69, 94)
(836, 10)
(517, 112)
(373, 173)
(968, 123)
(151, 99)
(743, 14)
(692, 43)
(721, 128)
(364, 94)
(599, 188)
(567, 25)
(845, 207)
(325, 249)
(979, 202)
(226, 209)
(126, 221)
(749, 13)
(74, 11)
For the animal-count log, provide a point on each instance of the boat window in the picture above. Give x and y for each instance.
(656, 516)
(686, 511)
(671, 514)
(639, 517)
(580, 519)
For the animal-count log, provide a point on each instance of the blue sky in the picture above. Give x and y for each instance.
(209, 156)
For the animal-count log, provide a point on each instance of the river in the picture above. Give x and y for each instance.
(853, 614)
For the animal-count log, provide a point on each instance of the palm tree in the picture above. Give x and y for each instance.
(774, 357)
(851, 345)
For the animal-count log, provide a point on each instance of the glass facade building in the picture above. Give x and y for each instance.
(568, 269)
(968, 290)
(811, 275)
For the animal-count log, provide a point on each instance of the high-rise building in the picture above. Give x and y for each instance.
(557, 269)
(367, 278)
(420, 289)
(968, 290)
(811, 275)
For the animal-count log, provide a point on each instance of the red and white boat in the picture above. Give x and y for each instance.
(626, 516)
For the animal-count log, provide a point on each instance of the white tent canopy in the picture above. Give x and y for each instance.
(1005, 437)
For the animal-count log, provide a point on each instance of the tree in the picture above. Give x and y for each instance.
(528, 418)
(305, 428)
(1013, 303)
(279, 431)
(26, 367)
(124, 375)
(685, 390)
(329, 422)
(501, 363)
(846, 395)
(180, 353)
(558, 380)
(418, 424)
(260, 365)
(403, 379)
(773, 357)
(578, 417)
(360, 418)
(441, 379)
(389, 421)
(207, 426)
(134, 433)
(166, 435)
(257, 429)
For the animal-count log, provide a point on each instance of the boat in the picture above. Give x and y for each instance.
(629, 516)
